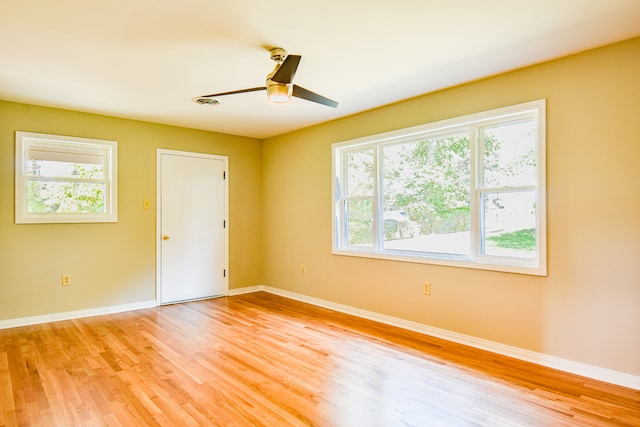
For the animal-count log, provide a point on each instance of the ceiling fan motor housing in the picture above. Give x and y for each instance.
(277, 91)
(278, 54)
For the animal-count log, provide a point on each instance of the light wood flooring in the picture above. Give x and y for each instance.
(263, 360)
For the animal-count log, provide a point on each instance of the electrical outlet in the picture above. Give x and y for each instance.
(66, 280)
(427, 288)
(303, 269)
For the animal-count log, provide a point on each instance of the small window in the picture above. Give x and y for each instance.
(65, 179)
(468, 191)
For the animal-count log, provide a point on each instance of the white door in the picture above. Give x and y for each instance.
(191, 226)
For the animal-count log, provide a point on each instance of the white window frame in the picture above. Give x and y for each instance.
(70, 146)
(476, 259)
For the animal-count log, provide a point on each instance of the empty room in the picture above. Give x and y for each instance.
(336, 213)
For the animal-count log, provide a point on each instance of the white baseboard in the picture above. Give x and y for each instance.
(68, 315)
(246, 290)
(577, 368)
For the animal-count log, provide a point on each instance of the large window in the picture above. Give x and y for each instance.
(467, 192)
(65, 179)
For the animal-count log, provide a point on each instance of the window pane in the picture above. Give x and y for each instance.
(359, 220)
(65, 197)
(360, 173)
(510, 155)
(427, 195)
(509, 224)
(55, 169)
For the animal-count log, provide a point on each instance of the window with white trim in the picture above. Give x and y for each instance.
(64, 179)
(468, 192)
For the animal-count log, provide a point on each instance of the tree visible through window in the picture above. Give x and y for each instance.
(427, 194)
(466, 191)
(65, 179)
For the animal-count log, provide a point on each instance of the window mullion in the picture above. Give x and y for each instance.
(508, 189)
(342, 219)
(378, 190)
(69, 179)
(476, 170)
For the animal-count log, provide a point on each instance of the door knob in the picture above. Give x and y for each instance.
(165, 237)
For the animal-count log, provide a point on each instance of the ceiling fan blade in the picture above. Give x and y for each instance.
(287, 70)
(300, 92)
(233, 92)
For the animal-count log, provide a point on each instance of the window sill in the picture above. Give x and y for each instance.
(522, 267)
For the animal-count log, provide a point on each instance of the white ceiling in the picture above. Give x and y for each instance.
(147, 59)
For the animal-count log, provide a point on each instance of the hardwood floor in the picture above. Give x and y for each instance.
(263, 360)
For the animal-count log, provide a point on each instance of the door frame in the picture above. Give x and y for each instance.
(158, 242)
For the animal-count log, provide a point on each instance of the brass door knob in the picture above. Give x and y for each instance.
(165, 237)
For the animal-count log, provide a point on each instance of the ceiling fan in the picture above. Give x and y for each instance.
(279, 86)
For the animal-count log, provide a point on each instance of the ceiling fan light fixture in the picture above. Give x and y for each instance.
(278, 92)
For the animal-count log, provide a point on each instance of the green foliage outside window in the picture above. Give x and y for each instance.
(521, 239)
(430, 180)
(66, 196)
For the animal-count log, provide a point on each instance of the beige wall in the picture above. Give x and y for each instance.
(586, 310)
(113, 264)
